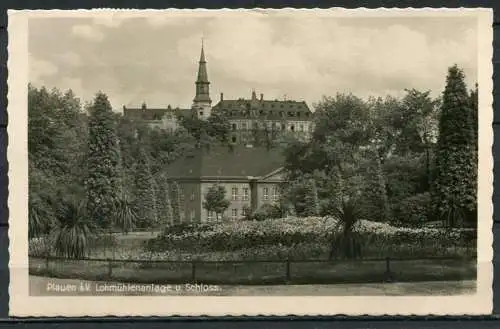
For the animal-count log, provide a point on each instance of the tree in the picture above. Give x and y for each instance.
(215, 200)
(177, 203)
(312, 206)
(165, 205)
(145, 194)
(455, 191)
(374, 193)
(474, 94)
(101, 183)
(219, 126)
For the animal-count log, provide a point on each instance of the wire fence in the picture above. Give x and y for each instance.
(387, 269)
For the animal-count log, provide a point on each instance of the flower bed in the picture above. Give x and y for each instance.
(286, 233)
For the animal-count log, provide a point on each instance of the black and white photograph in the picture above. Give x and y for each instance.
(336, 160)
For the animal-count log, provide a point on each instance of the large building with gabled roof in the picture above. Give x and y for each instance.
(250, 175)
(247, 116)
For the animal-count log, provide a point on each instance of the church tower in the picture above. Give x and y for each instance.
(202, 104)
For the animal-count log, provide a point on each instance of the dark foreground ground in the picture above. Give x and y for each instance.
(40, 286)
(267, 273)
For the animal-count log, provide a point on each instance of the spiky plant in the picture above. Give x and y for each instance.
(39, 219)
(345, 242)
(73, 231)
(124, 216)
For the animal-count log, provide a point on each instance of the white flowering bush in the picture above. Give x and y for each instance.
(288, 233)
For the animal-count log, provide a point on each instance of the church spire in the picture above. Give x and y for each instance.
(202, 67)
(202, 102)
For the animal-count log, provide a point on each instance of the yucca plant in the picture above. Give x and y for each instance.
(39, 218)
(345, 240)
(125, 216)
(73, 231)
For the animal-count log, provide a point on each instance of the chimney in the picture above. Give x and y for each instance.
(221, 97)
(261, 97)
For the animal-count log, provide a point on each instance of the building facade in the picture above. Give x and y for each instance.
(250, 176)
(248, 117)
(254, 117)
(163, 118)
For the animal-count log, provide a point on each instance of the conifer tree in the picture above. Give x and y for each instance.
(311, 199)
(474, 108)
(176, 203)
(145, 196)
(375, 192)
(455, 190)
(102, 180)
(164, 203)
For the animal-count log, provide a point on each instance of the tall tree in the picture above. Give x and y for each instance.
(312, 206)
(455, 191)
(474, 94)
(145, 196)
(165, 205)
(102, 184)
(374, 192)
(177, 203)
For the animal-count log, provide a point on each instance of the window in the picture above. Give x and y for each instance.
(193, 215)
(301, 127)
(234, 126)
(244, 211)
(210, 215)
(292, 128)
(233, 139)
(266, 193)
(192, 196)
(234, 193)
(234, 213)
(275, 194)
(244, 125)
(273, 125)
(245, 194)
(283, 126)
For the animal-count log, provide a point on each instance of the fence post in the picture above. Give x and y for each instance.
(388, 274)
(193, 272)
(110, 268)
(288, 277)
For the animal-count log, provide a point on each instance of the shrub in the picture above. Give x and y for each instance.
(266, 211)
(414, 210)
(239, 235)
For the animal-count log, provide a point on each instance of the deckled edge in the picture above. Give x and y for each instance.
(489, 133)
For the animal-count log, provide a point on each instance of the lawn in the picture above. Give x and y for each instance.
(310, 272)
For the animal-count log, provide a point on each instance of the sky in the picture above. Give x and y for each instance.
(154, 58)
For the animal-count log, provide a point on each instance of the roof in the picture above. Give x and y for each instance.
(265, 109)
(222, 161)
(153, 113)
